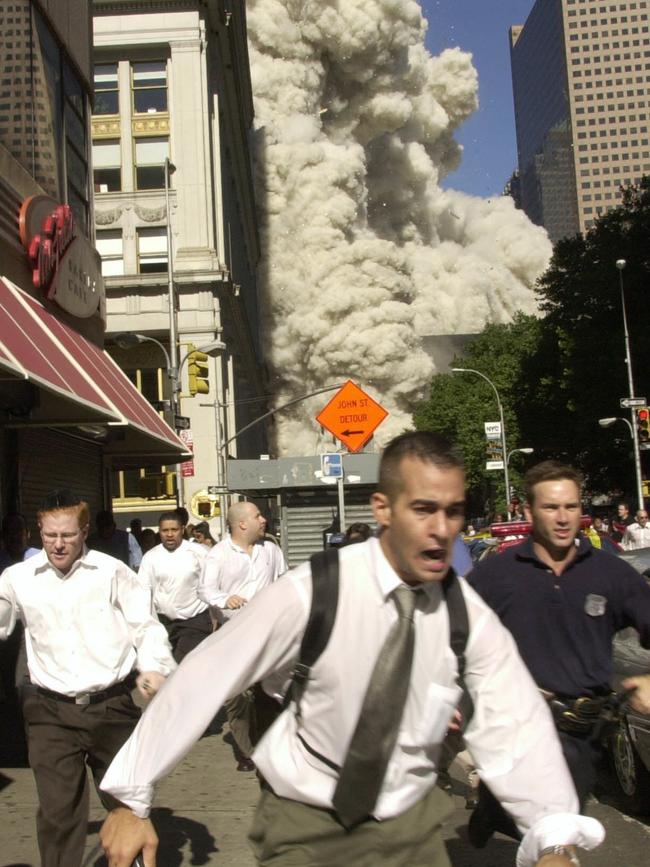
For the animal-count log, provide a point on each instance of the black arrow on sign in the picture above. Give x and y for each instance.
(351, 433)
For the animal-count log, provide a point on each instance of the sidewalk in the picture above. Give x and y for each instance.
(206, 809)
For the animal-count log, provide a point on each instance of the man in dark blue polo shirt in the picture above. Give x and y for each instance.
(562, 600)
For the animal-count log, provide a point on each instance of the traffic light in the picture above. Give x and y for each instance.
(198, 372)
(643, 424)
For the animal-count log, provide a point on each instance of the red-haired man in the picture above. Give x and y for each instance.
(89, 629)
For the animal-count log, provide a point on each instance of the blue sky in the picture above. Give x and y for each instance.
(481, 27)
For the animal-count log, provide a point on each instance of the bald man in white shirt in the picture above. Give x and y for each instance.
(173, 572)
(419, 508)
(236, 569)
(637, 535)
(88, 628)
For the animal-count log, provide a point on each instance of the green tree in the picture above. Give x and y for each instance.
(460, 403)
(581, 362)
(559, 374)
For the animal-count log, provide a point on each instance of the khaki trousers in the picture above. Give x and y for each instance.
(287, 833)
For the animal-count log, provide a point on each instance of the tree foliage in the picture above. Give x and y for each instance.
(559, 374)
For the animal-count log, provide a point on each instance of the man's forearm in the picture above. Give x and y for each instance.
(7, 618)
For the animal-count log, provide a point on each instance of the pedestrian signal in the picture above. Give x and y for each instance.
(643, 424)
(198, 372)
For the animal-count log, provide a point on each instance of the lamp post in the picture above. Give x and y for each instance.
(503, 427)
(620, 264)
(172, 367)
(279, 408)
(170, 168)
(608, 422)
(524, 451)
(129, 339)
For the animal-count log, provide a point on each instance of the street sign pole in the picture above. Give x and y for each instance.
(637, 461)
(339, 485)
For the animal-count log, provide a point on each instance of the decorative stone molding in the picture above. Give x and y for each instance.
(105, 218)
(153, 124)
(150, 215)
(103, 127)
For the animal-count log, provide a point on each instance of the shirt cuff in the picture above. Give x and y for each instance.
(559, 829)
(137, 799)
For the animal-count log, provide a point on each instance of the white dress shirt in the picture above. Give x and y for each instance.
(636, 537)
(135, 552)
(232, 571)
(511, 736)
(86, 630)
(173, 578)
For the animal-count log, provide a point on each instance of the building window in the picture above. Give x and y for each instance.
(107, 166)
(149, 87)
(150, 155)
(110, 247)
(43, 125)
(152, 250)
(106, 89)
(76, 145)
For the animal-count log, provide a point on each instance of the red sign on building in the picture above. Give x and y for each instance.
(65, 265)
(187, 467)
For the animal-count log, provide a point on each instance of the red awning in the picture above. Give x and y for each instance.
(80, 383)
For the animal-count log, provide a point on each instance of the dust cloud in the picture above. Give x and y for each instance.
(363, 252)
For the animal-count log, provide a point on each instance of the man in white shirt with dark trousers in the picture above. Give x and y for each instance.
(319, 806)
(88, 628)
(173, 572)
(236, 569)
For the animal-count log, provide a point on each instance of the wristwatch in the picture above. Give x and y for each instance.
(561, 850)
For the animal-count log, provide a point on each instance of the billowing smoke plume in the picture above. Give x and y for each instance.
(363, 252)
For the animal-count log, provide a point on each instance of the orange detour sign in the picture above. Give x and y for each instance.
(352, 416)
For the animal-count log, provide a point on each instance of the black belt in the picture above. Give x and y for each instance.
(85, 698)
(577, 716)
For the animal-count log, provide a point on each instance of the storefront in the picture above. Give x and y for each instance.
(70, 414)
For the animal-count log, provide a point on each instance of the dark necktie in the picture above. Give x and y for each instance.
(373, 741)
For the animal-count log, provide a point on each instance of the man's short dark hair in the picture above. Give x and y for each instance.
(171, 516)
(182, 515)
(549, 471)
(426, 446)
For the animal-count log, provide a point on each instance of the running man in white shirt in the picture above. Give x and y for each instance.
(88, 626)
(173, 572)
(236, 569)
(419, 508)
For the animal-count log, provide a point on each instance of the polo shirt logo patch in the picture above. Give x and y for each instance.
(595, 605)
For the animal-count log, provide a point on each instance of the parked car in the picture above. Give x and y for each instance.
(629, 745)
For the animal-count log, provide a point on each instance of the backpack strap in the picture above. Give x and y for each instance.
(458, 635)
(325, 594)
(324, 602)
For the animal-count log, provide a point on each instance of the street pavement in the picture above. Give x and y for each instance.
(205, 808)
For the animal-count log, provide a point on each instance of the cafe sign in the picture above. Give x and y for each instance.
(66, 268)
